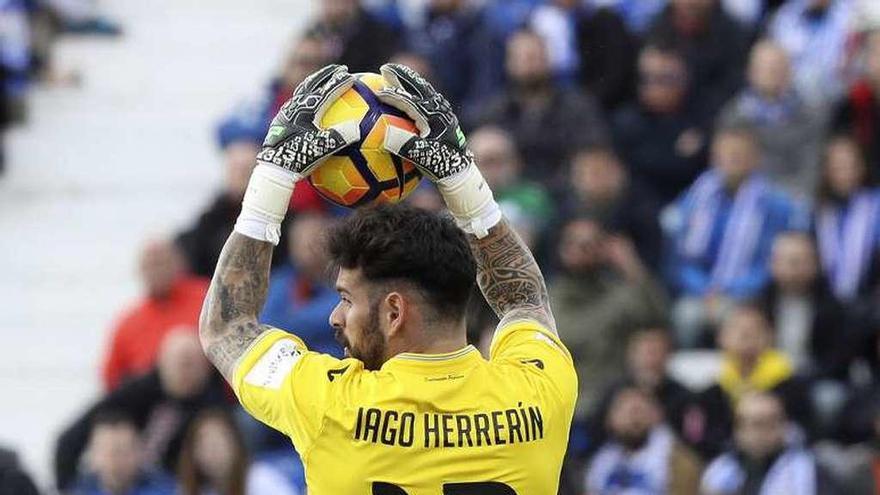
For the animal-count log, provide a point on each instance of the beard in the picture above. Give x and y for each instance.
(532, 83)
(371, 345)
(632, 440)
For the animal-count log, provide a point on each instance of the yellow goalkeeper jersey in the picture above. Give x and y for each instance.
(424, 424)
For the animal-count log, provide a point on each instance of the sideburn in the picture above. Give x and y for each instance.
(372, 347)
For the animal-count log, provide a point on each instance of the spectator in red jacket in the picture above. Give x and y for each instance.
(171, 300)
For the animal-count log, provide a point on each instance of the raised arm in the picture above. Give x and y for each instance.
(510, 278)
(506, 270)
(293, 147)
(229, 323)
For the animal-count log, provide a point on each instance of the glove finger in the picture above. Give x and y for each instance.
(326, 142)
(319, 77)
(405, 78)
(410, 147)
(404, 102)
(331, 91)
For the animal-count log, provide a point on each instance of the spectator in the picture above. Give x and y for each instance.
(815, 35)
(161, 403)
(525, 202)
(172, 300)
(647, 356)
(299, 298)
(13, 479)
(353, 36)
(721, 231)
(214, 461)
(466, 54)
(713, 44)
(600, 186)
(115, 460)
(661, 137)
(547, 122)
(750, 364)
(848, 222)
(600, 295)
(788, 128)
(859, 112)
(607, 53)
(643, 454)
(555, 21)
(810, 323)
(201, 243)
(765, 457)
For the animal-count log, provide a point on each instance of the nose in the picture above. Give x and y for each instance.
(336, 318)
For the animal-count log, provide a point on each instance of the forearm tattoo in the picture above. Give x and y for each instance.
(238, 291)
(510, 278)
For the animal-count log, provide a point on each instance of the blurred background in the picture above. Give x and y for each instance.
(697, 179)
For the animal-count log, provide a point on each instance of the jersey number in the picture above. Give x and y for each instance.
(483, 488)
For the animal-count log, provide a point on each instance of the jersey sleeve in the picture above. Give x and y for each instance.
(526, 344)
(286, 386)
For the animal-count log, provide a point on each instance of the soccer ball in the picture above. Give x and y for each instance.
(363, 172)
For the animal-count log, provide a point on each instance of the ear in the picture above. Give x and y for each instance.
(396, 311)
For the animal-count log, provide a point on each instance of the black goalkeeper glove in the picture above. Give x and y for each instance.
(439, 151)
(294, 141)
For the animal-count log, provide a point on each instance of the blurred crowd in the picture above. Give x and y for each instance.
(28, 31)
(697, 180)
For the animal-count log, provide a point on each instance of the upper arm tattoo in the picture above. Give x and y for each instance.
(229, 323)
(510, 278)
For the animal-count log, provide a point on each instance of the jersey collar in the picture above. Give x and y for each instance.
(433, 362)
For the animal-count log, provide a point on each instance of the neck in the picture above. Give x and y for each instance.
(444, 339)
(537, 95)
(747, 365)
(769, 94)
(219, 483)
(117, 488)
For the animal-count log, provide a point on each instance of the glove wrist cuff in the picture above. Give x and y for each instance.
(470, 201)
(265, 203)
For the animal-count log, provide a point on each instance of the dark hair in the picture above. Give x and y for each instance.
(739, 128)
(651, 330)
(192, 480)
(389, 242)
(824, 192)
(113, 417)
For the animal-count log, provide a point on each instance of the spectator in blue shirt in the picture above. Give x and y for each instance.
(720, 234)
(299, 298)
(116, 458)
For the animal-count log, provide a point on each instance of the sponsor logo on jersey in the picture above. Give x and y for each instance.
(274, 365)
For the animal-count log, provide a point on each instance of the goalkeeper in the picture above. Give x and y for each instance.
(412, 409)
